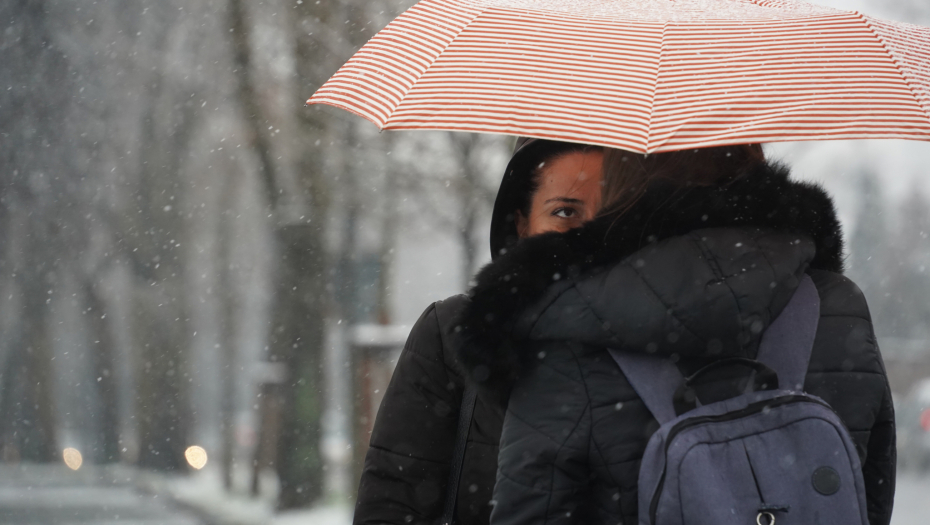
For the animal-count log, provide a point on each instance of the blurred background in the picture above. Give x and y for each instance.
(204, 284)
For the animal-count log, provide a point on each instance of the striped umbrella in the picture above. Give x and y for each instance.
(642, 75)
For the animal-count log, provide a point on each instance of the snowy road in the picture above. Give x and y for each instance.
(52, 495)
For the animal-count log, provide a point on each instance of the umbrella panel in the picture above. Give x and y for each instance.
(638, 85)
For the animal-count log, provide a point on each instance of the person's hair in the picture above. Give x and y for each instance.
(628, 175)
(544, 152)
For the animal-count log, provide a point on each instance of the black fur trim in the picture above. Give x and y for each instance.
(765, 197)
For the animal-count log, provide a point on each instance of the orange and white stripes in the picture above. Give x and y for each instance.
(503, 66)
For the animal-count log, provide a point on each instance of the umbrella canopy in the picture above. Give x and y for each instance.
(642, 75)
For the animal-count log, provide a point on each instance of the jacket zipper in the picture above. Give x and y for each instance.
(688, 423)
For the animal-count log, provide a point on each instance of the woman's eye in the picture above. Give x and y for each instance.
(565, 213)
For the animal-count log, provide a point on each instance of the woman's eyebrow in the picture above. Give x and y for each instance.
(566, 200)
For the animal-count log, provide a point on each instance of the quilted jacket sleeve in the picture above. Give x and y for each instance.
(407, 465)
(543, 460)
(879, 467)
(847, 371)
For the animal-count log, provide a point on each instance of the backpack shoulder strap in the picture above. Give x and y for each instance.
(654, 379)
(458, 453)
(786, 347)
(787, 344)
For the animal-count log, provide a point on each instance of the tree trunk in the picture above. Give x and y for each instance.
(296, 341)
(160, 330)
(228, 348)
(28, 414)
(388, 242)
(465, 146)
(297, 319)
(27, 411)
(104, 354)
(161, 324)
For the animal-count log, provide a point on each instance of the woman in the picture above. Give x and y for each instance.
(548, 186)
(693, 256)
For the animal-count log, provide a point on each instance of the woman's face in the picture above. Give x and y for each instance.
(568, 195)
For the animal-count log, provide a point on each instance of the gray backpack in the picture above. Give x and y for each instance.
(773, 454)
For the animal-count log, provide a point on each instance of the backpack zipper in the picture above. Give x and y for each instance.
(688, 423)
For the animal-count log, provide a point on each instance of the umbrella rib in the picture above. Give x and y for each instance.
(894, 61)
(479, 12)
(655, 88)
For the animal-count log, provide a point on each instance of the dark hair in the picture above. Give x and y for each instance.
(628, 175)
(520, 182)
(550, 151)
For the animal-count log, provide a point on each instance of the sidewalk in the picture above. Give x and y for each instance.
(34, 494)
(203, 493)
(52, 493)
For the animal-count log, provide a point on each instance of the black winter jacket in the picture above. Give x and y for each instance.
(407, 465)
(692, 274)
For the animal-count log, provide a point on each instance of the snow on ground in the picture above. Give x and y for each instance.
(55, 495)
(319, 516)
(52, 495)
(122, 495)
(203, 493)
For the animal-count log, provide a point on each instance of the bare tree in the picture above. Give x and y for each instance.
(104, 352)
(160, 323)
(35, 73)
(452, 178)
(474, 190)
(299, 211)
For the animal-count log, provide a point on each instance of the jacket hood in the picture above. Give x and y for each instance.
(695, 272)
(517, 184)
(503, 223)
